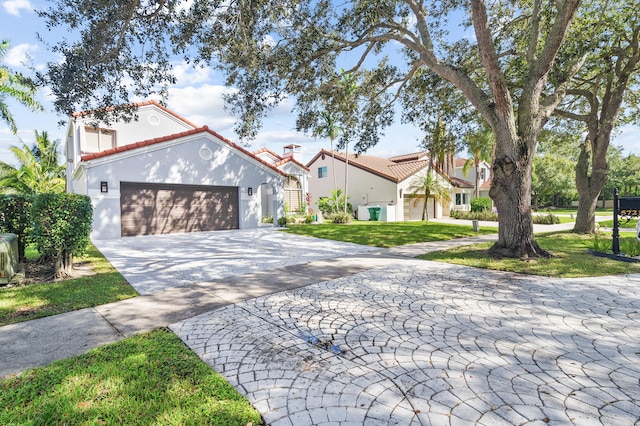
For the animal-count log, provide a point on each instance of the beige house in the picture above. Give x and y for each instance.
(384, 182)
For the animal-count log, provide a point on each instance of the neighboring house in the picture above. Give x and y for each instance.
(484, 180)
(382, 182)
(296, 184)
(161, 174)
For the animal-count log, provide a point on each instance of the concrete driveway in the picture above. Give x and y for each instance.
(157, 262)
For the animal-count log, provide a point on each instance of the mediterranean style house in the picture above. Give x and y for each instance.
(162, 174)
(387, 183)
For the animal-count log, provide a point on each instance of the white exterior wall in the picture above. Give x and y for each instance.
(153, 122)
(364, 188)
(178, 162)
(471, 175)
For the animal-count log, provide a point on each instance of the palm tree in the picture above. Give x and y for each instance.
(39, 170)
(16, 86)
(331, 129)
(480, 145)
(428, 185)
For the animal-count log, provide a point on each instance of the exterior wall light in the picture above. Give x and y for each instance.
(104, 186)
(250, 191)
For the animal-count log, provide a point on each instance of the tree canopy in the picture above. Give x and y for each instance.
(16, 86)
(509, 60)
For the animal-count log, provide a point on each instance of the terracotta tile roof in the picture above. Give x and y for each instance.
(459, 162)
(410, 157)
(267, 150)
(383, 167)
(460, 183)
(142, 104)
(148, 142)
(485, 186)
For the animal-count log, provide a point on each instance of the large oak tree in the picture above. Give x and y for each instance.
(273, 49)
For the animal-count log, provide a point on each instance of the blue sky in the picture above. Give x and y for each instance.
(197, 97)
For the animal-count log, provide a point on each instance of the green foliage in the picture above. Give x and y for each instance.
(481, 204)
(38, 169)
(284, 220)
(486, 215)
(427, 185)
(601, 244)
(17, 87)
(15, 212)
(333, 204)
(630, 247)
(61, 225)
(340, 217)
(267, 219)
(547, 219)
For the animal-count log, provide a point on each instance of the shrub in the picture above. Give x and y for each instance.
(267, 219)
(486, 215)
(481, 204)
(340, 217)
(15, 218)
(61, 227)
(547, 219)
(283, 220)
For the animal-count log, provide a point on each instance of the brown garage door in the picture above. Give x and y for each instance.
(151, 208)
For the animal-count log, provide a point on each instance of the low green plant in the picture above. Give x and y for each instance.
(485, 215)
(340, 217)
(267, 219)
(284, 220)
(630, 247)
(600, 243)
(481, 204)
(547, 219)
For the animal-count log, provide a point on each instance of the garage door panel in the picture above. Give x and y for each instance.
(167, 208)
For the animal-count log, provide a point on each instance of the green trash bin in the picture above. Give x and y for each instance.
(374, 213)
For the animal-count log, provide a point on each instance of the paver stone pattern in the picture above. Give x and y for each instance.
(423, 343)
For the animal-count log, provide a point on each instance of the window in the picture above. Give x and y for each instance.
(97, 140)
(322, 172)
(461, 199)
(483, 174)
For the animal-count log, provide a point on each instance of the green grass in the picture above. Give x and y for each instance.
(573, 210)
(387, 234)
(623, 223)
(33, 301)
(570, 258)
(149, 379)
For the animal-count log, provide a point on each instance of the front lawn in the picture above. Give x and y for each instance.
(148, 379)
(570, 258)
(621, 223)
(387, 234)
(27, 302)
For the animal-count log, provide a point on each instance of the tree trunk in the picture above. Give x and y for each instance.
(591, 175)
(511, 193)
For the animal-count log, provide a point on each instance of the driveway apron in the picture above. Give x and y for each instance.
(423, 343)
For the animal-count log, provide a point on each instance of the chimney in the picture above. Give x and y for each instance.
(293, 151)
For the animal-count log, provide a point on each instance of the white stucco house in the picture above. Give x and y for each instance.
(383, 182)
(162, 174)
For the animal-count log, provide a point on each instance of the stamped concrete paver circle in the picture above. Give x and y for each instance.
(153, 263)
(423, 343)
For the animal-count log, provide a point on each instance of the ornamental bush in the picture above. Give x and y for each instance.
(547, 219)
(15, 212)
(481, 204)
(61, 227)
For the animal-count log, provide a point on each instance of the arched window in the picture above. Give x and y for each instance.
(293, 193)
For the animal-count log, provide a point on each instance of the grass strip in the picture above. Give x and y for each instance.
(33, 301)
(387, 234)
(148, 379)
(570, 258)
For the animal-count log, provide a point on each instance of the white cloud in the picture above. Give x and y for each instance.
(629, 138)
(203, 105)
(13, 7)
(19, 55)
(187, 74)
